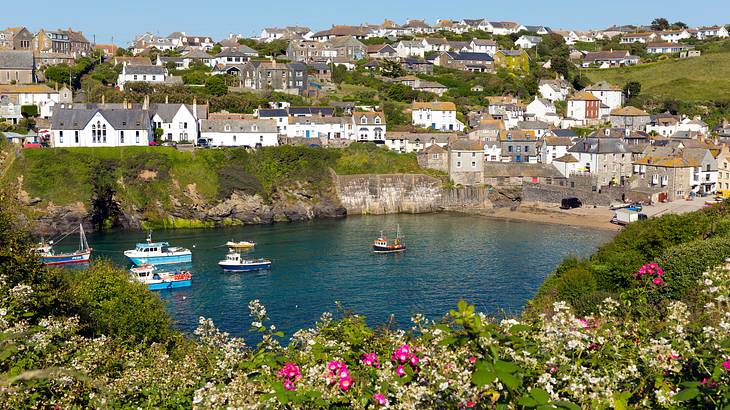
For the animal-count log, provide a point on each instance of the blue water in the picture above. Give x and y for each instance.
(496, 265)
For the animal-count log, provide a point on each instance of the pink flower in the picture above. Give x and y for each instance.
(657, 281)
(553, 370)
(405, 349)
(289, 385)
(344, 374)
(726, 365)
(380, 399)
(472, 360)
(289, 371)
(370, 359)
(345, 383)
(470, 404)
(334, 365)
(400, 371)
(414, 360)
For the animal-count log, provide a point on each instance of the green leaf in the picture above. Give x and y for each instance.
(506, 367)
(482, 377)
(508, 380)
(519, 328)
(540, 395)
(545, 407)
(565, 404)
(528, 401)
(449, 340)
(687, 394)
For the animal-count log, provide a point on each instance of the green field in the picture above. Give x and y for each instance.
(697, 79)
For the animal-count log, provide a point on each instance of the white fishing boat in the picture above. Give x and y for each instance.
(158, 253)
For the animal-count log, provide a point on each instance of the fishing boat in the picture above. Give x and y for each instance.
(148, 275)
(49, 257)
(158, 253)
(234, 263)
(240, 245)
(383, 245)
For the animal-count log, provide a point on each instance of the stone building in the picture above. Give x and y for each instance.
(17, 67)
(434, 157)
(466, 162)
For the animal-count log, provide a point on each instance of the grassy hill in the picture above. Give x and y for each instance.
(702, 78)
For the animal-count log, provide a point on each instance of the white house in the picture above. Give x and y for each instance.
(407, 142)
(40, 95)
(369, 126)
(693, 125)
(554, 90)
(673, 36)
(279, 115)
(609, 94)
(528, 41)
(704, 33)
(326, 128)
(141, 73)
(503, 28)
(178, 122)
(96, 127)
(408, 48)
(251, 133)
(483, 46)
(552, 148)
(543, 110)
(436, 115)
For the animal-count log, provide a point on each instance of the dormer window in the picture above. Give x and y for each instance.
(227, 127)
(254, 128)
(363, 120)
(377, 120)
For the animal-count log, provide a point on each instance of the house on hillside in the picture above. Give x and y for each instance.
(678, 172)
(513, 60)
(466, 161)
(519, 146)
(526, 41)
(410, 48)
(369, 126)
(667, 48)
(17, 67)
(178, 122)
(554, 90)
(607, 59)
(465, 61)
(436, 115)
(96, 127)
(584, 108)
(550, 148)
(607, 160)
(643, 38)
(140, 73)
(703, 33)
(434, 157)
(630, 118)
(382, 51)
(251, 133)
(674, 36)
(39, 95)
(609, 94)
(504, 28)
(483, 46)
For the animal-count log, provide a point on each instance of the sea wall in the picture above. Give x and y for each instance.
(553, 194)
(403, 193)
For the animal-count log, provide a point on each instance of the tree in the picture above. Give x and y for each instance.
(392, 69)
(216, 85)
(680, 25)
(561, 65)
(632, 89)
(660, 23)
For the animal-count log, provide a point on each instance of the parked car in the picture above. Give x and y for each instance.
(570, 203)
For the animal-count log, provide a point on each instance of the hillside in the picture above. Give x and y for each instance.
(143, 186)
(703, 78)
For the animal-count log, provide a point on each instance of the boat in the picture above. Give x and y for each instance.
(148, 275)
(158, 253)
(49, 257)
(240, 245)
(382, 245)
(234, 263)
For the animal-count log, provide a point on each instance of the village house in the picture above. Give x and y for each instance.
(358, 32)
(643, 38)
(279, 115)
(244, 132)
(369, 126)
(483, 46)
(513, 60)
(16, 38)
(503, 28)
(466, 161)
(178, 122)
(584, 107)
(183, 40)
(543, 110)
(316, 127)
(674, 36)
(539, 30)
(434, 157)
(413, 27)
(476, 24)
(17, 67)
(39, 95)
(407, 142)
(677, 172)
(526, 41)
(609, 94)
(554, 90)
(436, 44)
(382, 51)
(417, 65)
(140, 73)
(436, 115)
(340, 50)
(79, 46)
(97, 127)
(607, 59)
(552, 147)
(607, 160)
(51, 42)
(272, 75)
(723, 171)
(237, 55)
(629, 118)
(663, 124)
(465, 61)
(410, 48)
(667, 48)
(519, 146)
(703, 33)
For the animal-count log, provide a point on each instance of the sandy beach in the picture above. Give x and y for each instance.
(597, 218)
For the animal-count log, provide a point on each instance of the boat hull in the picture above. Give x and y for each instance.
(161, 260)
(388, 249)
(66, 259)
(170, 284)
(245, 268)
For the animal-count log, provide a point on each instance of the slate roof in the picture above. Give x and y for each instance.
(606, 55)
(77, 119)
(558, 141)
(325, 111)
(273, 113)
(167, 111)
(16, 59)
(463, 144)
(468, 56)
(145, 70)
(424, 137)
(238, 125)
(629, 111)
(600, 146)
(567, 158)
(434, 106)
(559, 132)
(483, 43)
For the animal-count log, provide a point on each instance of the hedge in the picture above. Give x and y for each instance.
(685, 263)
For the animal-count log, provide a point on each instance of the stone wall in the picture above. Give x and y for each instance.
(407, 193)
(553, 194)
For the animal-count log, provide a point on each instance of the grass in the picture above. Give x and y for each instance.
(697, 79)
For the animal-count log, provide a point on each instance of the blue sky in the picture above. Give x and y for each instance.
(125, 18)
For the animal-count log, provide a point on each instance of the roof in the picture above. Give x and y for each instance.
(27, 89)
(273, 113)
(532, 39)
(483, 43)
(468, 56)
(606, 55)
(434, 149)
(370, 115)
(584, 96)
(464, 144)
(567, 158)
(326, 111)
(167, 111)
(238, 125)
(145, 69)
(344, 31)
(599, 146)
(77, 119)
(512, 53)
(558, 141)
(629, 111)
(517, 135)
(669, 157)
(441, 138)
(16, 59)
(559, 132)
(434, 106)
(504, 24)
(532, 125)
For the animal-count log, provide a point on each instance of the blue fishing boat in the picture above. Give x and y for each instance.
(49, 257)
(155, 280)
(158, 253)
(234, 263)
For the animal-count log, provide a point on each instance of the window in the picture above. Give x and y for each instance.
(473, 164)
(434, 156)
(135, 77)
(60, 137)
(76, 137)
(144, 77)
(363, 120)
(153, 78)
(458, 154)
(103, 132)
(136, 137)
(473, 154)
(121, 137)
(181, 126)
(234, 139)
(458, 164)
(261, 138)
(227, 127)
(377, 120)
(665, 180)
(509, 148)
(93, 132)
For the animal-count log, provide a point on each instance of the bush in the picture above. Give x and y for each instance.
(685, 263)
(29, 110)
(574, 284)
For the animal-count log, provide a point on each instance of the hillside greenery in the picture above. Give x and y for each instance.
(92, 339)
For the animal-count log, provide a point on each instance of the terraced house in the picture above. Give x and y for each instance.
(513, 60)
(676, 172)
(99, 127)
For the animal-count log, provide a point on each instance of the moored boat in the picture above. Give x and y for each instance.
(234, 263)
(148, 275)
(383, 245)
(49, 257)
(158, 253)
(240, 244)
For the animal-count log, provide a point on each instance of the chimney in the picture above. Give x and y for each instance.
(167, 99)
(125, 104)
(195, 108)
(103, 100)
(146, 103)
(607, 132)
(627, 132)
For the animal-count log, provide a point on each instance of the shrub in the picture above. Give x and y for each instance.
(574, 284)
(685, 263)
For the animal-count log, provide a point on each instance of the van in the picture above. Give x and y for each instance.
(570, 203)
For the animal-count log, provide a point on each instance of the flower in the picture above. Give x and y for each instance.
(726, 365)
(472, 359)
(470, 404)
(657, 281)
(345, 383)
(380, 399)
(290, 371)
(289, 385)
(400, 371)
(343, 373)
(414, 360)
(370, 359)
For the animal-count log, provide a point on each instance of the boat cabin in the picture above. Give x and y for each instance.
(152, 247)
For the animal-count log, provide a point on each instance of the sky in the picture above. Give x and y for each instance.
(123, 19)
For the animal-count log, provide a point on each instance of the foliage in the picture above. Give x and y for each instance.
(659, 24)
(29, 111)
(216, 85)
(632, 89)
(392, 69)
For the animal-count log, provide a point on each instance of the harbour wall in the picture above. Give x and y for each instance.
(404, 193)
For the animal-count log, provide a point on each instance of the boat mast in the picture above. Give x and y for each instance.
(83, 243)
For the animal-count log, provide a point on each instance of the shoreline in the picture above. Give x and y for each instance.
(595, 218)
